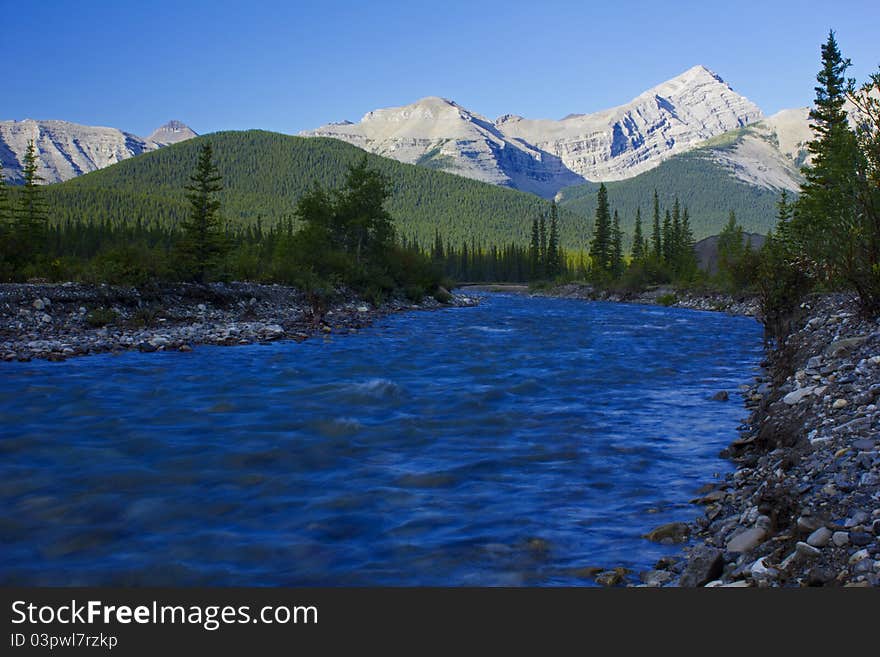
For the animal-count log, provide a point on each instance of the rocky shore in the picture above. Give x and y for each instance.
(60, 321)
(659, 295)
(802, 507)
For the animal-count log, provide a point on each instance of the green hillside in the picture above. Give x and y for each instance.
(704, 186)
(264, 173)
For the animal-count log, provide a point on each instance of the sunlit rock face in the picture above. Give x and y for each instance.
(66, 150)
(542, 155)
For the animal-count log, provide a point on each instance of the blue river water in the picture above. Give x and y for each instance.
(514, 443)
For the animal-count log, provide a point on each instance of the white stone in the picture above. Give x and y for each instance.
(796, 396)
(859, 556)
(759, 568)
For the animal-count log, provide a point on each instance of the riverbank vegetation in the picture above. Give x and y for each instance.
(248, 213)
(340, 237)
(827, 238)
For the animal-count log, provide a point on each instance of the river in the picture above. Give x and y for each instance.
(514, 443)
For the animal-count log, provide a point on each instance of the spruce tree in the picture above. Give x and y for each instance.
(784, 214)
(6, 246)
(867, 100)
(616, 247)
(554, 259)
(637, 253)
(675, 249)
(4, 199)
(203, 243)
(535, 251)
(542, 255)
(730, 248)
(667, 239)
(826, 225)
(687, 259)
(657, 236)
(600, 249)
(32, 217)
(437, 253)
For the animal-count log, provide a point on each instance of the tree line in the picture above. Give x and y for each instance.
(829, 237)
(341, 237)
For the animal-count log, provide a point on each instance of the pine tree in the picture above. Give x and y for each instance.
(4, 199)
(542, 234)
(535, 251)
(554, 260)
(464, 267)
(637, 253)
(825, 223)
(600, 249)
(203, 244)
(616, 247)
(687, 266)
(675, 249)
(32, 217)
(867, 100)
(657, 236)
(6, 246)
(437, 253)
(730, 247)
(667, 238)
(784, 215)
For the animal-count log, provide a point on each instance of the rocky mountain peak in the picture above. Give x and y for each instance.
(542, 156)
(172, 133)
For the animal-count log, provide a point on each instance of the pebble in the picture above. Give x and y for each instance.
(859, 556)
(248, 313)
(820, 537)
(798, 395)
(808, 457)
(860, 538)
(746, 540)
(807, 550)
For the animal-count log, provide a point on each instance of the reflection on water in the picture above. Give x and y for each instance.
(509, 444)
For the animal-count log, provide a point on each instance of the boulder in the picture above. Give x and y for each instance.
(704, 564)
(796, 396)
(672, 532)
(746, 540)
(840, 347)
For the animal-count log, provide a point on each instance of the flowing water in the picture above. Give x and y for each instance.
(509, 444)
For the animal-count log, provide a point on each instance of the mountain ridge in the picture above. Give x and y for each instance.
(543, 156)
(66, 150)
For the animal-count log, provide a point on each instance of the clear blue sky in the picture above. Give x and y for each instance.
(289, 66)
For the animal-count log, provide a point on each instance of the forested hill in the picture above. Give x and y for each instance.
(264, 173)
(707, 188)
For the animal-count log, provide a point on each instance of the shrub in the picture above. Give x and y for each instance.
(442, 295)
(98, 317)
(414, 293)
